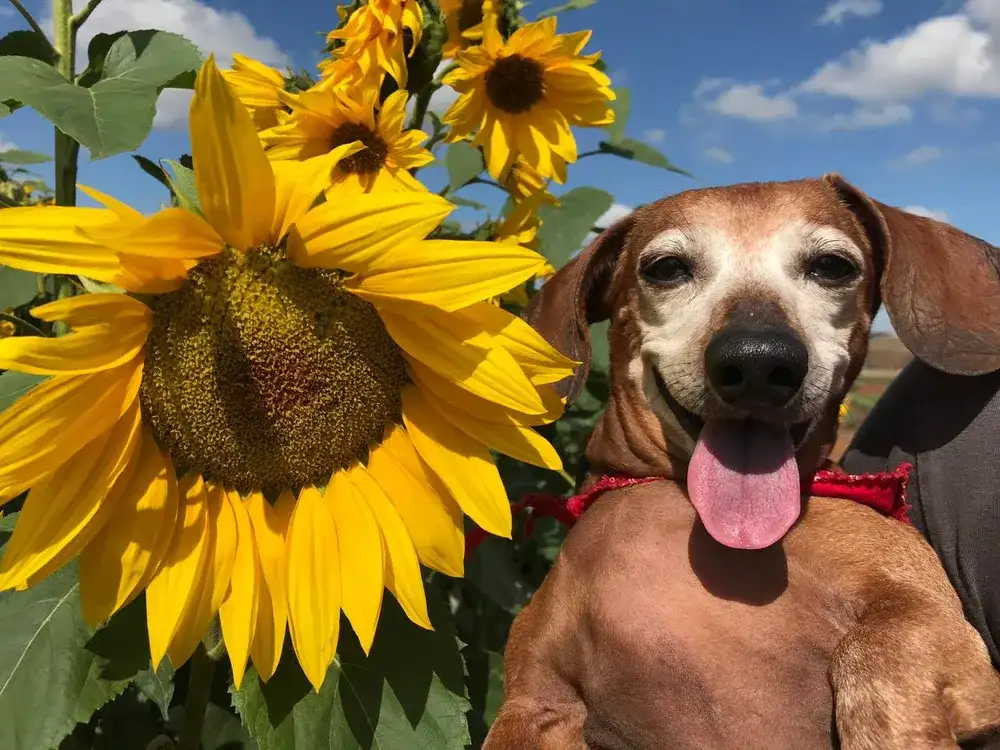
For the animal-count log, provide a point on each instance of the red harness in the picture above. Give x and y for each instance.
(884, 492)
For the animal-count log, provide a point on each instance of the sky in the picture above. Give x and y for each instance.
(901, 97)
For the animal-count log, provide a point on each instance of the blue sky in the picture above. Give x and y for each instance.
(900, 96)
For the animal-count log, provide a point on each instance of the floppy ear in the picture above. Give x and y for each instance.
(573, 299)
(941, 286)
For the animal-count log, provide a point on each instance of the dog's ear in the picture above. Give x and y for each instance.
(577, 296)
(941, 286)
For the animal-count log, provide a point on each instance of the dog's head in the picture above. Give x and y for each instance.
(740, 318)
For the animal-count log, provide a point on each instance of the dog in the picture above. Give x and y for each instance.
(716, 607)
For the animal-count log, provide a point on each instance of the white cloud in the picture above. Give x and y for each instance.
(613, 214)
(6, 145)
(719, 155)
(868, 116)
(837, 11)
(930, 213)
(655, 135)
(222, 32)
(922, 155)
(749, 102)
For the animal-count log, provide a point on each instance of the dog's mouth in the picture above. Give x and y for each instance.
(743, 478)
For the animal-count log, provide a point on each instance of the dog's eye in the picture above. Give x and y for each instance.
(832, 268)
(668, 270)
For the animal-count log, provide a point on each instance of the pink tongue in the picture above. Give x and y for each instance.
(744, 483)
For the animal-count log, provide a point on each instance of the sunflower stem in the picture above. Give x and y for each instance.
(595, 152)
(18, 322)
(568, 477)
(423, 101)
(81, 18)
(67, 151)
(198, 694)
(31, 21)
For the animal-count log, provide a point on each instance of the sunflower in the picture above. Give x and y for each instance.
(520, 226)
(294, 416)
(523, 95)
(327, 117)
(522, 180)
(257, 86)
(374, 38)
(464, 22)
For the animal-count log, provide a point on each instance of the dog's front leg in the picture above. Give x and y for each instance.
(913, 676)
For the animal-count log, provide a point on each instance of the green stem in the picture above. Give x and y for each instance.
(595, 152)
(81, 18)
(18, 322)
(198, 694)
(569, 479)
(423, 101)
(67, 151)
(31, 21)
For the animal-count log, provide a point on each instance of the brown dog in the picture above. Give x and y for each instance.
(680, 614)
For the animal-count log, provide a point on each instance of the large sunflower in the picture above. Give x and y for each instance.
(374, 38)
(294, 415)
(523, 95)
(464, 21)
(257, 85)
(326, 118)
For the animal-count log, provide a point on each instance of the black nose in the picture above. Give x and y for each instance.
(753, 368)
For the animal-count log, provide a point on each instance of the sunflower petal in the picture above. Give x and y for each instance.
(110, 330)
(402, 568)
(221, 540)
(233, 177)
(168, 235)
(64, 512)
(432, 518)
(238, 613)
(360, 544)
(352, 234)
(134, 540)
(176, 584)
(465, 466)
(314, 583)
(45, 239)
(459, 350)
(122, 211)
(270, 528)
(56, 419)
(448, 274)
(299, 183)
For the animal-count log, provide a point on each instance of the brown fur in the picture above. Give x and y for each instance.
(649, 634)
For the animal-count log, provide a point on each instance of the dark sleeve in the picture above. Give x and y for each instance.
(948, 426)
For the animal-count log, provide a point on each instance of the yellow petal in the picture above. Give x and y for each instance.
(133, 542)
(109, 330)
(313, 585)
(352, 234)
(432, 518)
(64, 512)
(402, 568)
(270, 528)
(465, 466)
(233, 177)
(360, 545)
(45, 239)
(123, 212)
(238, 613)
(214, 582)
(176, 583)
(299, 183)
(44, 428)
(448, 274)
(168, 235)
(459, 350)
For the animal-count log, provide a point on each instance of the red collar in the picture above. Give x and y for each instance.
(884, 492)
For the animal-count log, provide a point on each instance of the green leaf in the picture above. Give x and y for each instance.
(569, 5)
(629, 148)
(221, 731)
(464, 161)
(599, 346)
(408, 694)
(24, 43)
(17, 287)
(564, 227)
(7, 521)
(13, 385)
(459, 201)
(182, 183)
(622, 107)
(99, 287)
(116, 113)
(48, 681)
(494, 571)
(16, 156)
(158, 686)
(153, 169)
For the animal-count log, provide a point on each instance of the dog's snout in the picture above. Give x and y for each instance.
(756, 368)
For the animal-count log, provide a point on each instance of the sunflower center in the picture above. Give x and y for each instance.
(470, 14)
(515, 84)
(263, 375)
(367, 161)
